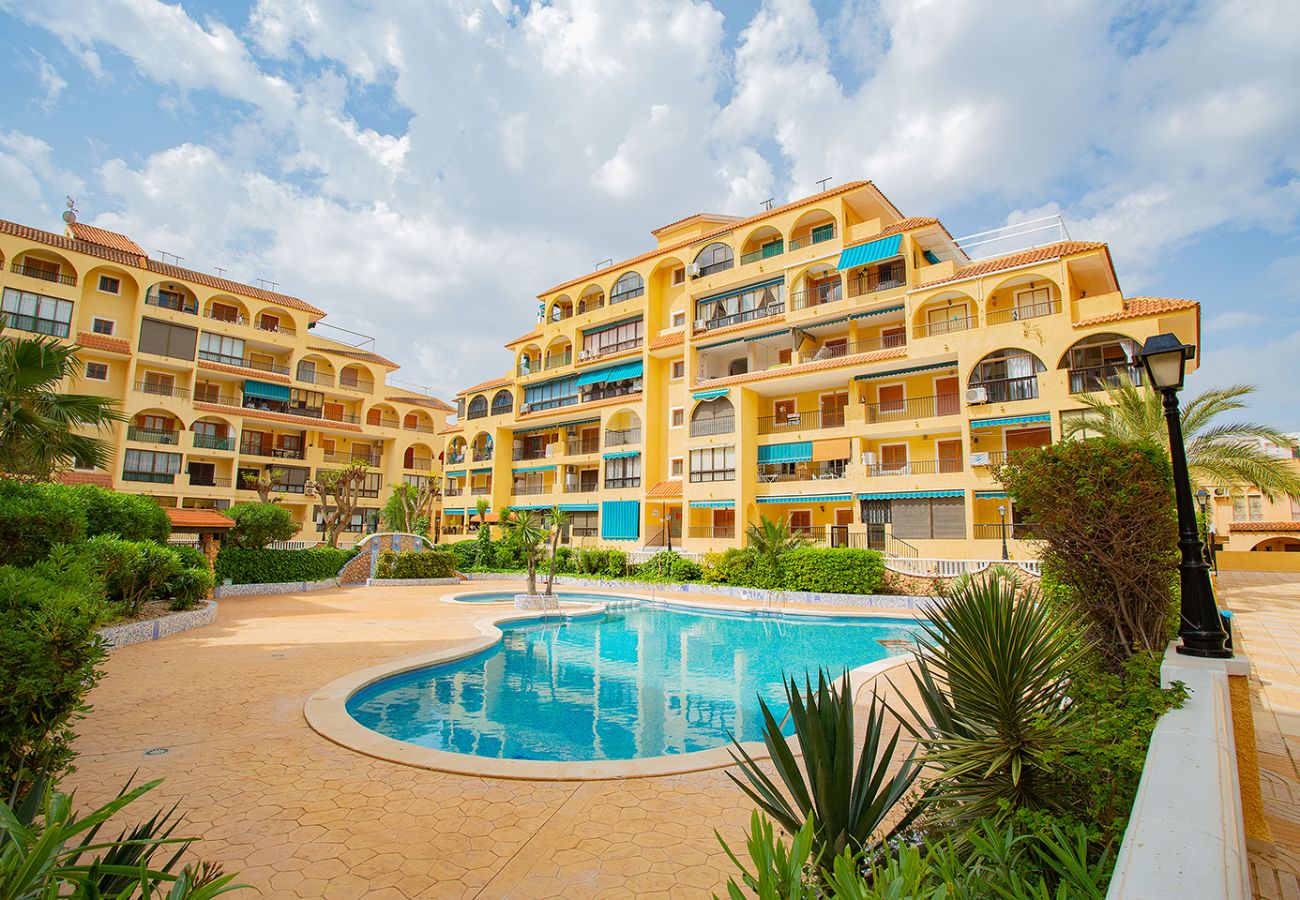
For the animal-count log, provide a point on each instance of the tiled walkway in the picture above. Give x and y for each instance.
(1267, 610)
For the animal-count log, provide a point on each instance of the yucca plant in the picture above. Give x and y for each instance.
(771, 539)
(846, 803)
(992, 673)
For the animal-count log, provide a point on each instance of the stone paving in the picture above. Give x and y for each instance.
(298, 816)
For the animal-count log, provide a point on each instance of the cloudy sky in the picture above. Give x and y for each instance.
(422, 168)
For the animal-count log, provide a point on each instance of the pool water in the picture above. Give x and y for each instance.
(639, 682)
(509, 597)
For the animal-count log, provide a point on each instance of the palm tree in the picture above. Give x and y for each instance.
(559, 519)
(1227, 454)
(38, 418)
(524, 529)
(772, 539)
(480, 509)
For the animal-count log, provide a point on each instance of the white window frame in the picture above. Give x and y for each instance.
(679, 320)
(112, 326)
(99, 285)
(672, 413)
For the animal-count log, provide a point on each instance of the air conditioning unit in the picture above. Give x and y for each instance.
(585, 354)
(868, 458)
(525, 407)
(693, 270)
(977, 395)
(979, 459)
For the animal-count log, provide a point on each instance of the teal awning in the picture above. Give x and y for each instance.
(877, 312)
(578, 507)
(911, 495)
(713, 504)
(534, 469)
(453, 512)
(990, 495)
(556, 426)
(532, 506)
(620, 520)
(807, 498)
(480, 471)
(895, 372)
(800, 451)
(711, 395)
(596, 329)
(870, 252)
(1011, 420)
(622, 454)
(459, 473)
(620, 372)
(279, 392)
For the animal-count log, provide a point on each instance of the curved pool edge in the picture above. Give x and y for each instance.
(326, 714)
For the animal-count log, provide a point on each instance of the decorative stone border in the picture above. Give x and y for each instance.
(878, 601)
(152, 629)
(409, 582)
(273, 587)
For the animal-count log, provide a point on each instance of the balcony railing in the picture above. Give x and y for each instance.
(606, 393)
(356, 384)
(947, 326)
(455, 459)
(232, 318)
(152, 436)
(452, 491)
(178, 304)
(482, 455)
(614, 484)
(771, 473)
(36, 324)
(623, 438)
(243, 362)
(579, 446)
(1006, 390)
(915, 467)
(318, 378)
(422, 429)
(800, 421)
(914, 408)
(554, 361)
(745, 315)
(419, 465)
(823, 293)
(1018, 313)
(208, 481)
(818, 235)
(529, 490)
(711, 531)
(1099, 378)
(715, 425)
(581, 487)
(776, 248)
(523, 454)
(881, 280)
(608, 349)
(869, 345)
(835, 536)
(366, 459)
(155, 389)
(43, 274)
(703, 476)
(214, 442)
(275, 328)
(256, 448)
(382, 422)
(150, 477)
(480, 490)
(1019, 531)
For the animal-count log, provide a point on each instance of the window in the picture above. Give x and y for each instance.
(679, 275)
(890, 397)
(151, 466)
(929, 517)
(623, 472)
(478, 407)
(96, 371)
(679, 319)
(307, 370)
(823, 233)
(677, 418)
(222, 349)
(612, 338)
(502, 403)
(584, 523)
(223, 312)
(37, 313)
(679, 369)
(715, 416)
(676, 466)
(101, 326)
(1248, 509)
(550, 394)
(713, 464)
(715, 258)
(109, 285)
(627, 287)
(1008, 374)
(744, 305)
(166, 339)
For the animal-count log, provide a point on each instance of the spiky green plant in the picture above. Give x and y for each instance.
(1224, 454)
(559, 518)
(523, 528)
(847, 803)
(772, 539)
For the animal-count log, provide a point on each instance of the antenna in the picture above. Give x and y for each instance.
(221, 271)
(822, 184)
(605, 263)
(164, 254)
(265, 281)
(767, 204)
(70, 216)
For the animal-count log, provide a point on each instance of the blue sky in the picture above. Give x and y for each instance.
(422, 170)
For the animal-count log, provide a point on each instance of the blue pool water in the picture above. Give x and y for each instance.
(509, 597)
(639, 682)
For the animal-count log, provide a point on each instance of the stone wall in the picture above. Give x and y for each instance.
(278, 587)
(152, 629)
(361, 567)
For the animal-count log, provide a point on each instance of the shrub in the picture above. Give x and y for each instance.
(747, 568)
(134, 572)
(669, 566)
(615, 563)
(190, 557)
(34, 518)
(592, 561)
(565, 559)
(466, 553)
(189, 587)
(416, 564)
(505, 555)
(837, 570)
(273, 566)
(132, 517)
(258, 524)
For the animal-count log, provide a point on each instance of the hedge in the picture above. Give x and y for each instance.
(36, 517)
(259, 524)
(832, 570)
(416, 564)
(275, 566)
(133, 517)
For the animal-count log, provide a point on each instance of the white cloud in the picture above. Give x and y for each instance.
(1226, 321)
(29, 176)
(52, 83)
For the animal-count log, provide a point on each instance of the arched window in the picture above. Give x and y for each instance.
(716, 416)
(627, 287)
(478, 407)
(1102, 361)
(502, 403)
(1008, 374)
(714, 258)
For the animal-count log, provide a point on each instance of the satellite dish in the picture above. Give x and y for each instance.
(70, 217)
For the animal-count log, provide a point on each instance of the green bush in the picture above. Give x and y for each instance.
(592, 560)
(258, 524)
(505, 555)
(134, 572)
(615, 563)
(416, 564)
(273, 566)
(190, 557)
(49, 614)
(833, 570)
(466, 553)
(188, 588)
(132, 517)
(745, 568)
(565, 560)
(36, 517)
(669, 566)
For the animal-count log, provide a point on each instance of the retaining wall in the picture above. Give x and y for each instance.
(278, 587)
(153, 629)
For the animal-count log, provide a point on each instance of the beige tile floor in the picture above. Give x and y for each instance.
(299, 816)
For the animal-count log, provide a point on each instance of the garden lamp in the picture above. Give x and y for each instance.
(1165, 358)
(1002, 514)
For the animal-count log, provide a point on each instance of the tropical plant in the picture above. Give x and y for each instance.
(1228, 454)
(39, 419)
(847, 804)
(771, 539)
(408, 506)
(259, 524)
(780, 872)
(343, 487)
(525, 531)
(559, 518)
(993, 674)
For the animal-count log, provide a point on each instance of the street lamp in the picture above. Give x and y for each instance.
(1002, 514)
(1203, 498)
(1165, 358)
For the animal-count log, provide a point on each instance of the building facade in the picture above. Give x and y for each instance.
(218, 380)
(1244, 519)
(830, 363)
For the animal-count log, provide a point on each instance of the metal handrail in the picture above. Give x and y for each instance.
(914, 408)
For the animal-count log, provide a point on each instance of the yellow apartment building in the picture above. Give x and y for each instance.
(830, 362)
(1244, 519)
(218, 379)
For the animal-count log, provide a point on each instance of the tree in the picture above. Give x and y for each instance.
(772, 539)
(483, 545)
(524, 529)
(559, 519)
(481, 510)
(39, 419)
(343, 486)
(409, 504)
(259, 524)
(1226, 455)
(264, 483)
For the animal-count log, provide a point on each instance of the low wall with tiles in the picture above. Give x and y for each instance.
(278, 587)
(152, 629)
(361, 567)
(409, 582)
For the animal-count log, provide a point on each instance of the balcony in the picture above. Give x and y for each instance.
(480, 490)
(482, 455)
(818, 235)
(36, 324)
(823, 293)
(522, 454)
(615, 484)
(255, 448)
(704, 476)
(381, 422)
(172, 301)
(213, 442)
(150, 477)
(455, 459)
(870, 345)
(356, 384)
(711, 531)
(581, 487)
(774, 473)
(529, 490)
(151, 436)
(883, 279)
(800, 421)
(610, 349)
(606, 393)
(745, 315)
(1007, 390)
(156, 389)
(275, 328)
(44, 274)
(208, 481)
(1098, 378)
(624, 438)
(227, 318)
(453, 491)
(554, 361)
(776, 248)
(915, 467)
(716, 425)
(418, 465)
(946, 326)
(319, 379)
(242, 362)
(914, 408)
(366, 459)
(1020, 313)
(579, 446)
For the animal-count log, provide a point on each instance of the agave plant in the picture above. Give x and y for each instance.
(846, 804)
(992, 674)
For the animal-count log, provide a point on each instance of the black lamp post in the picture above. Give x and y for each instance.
(1165, 358)
(1002, 514)
(1203, 498)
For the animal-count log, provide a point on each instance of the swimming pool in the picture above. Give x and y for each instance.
(509, 597)
(633, 683)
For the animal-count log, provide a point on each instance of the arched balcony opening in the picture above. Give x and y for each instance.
(530, 360)
(1020, 298)
(592, 297)
(763, 242)
(561, 308)
(223, 308)
(358, 378)
(45, 265)
(813, 227)
(478, 407)
(174, 296)
(623, 428)
(481, 448)
(1102, 361)
(629, 286)
(819, 284)
(1006, 375)
(315, 370)
(710, 417)
(212, 433)
(381, 415)
(276, 321)
(502, 403)
(716, 257)
(456, 451)
(418, 458)
(559, 353)
(948, 313)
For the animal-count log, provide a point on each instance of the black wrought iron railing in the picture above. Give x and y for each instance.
(914, 408)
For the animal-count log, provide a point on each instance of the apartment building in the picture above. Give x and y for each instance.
(219, 380)
(1244, 519)
(830, 363)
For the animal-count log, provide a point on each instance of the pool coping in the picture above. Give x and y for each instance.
(326, 710)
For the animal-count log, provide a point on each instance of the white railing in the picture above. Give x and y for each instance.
(1015, 237)
(292, 545)
(950, 568)
(636, 557)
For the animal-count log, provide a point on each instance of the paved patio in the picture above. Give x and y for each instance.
(299, 816)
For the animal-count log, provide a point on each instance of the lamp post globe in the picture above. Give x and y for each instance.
(1002, 514)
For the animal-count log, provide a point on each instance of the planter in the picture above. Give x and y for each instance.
(152, 629)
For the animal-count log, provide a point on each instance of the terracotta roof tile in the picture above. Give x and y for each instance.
(353, 353)
(233, 287)
(104, 238)
(530, 336)
(198, 519)
(92, 341)
(718, 218)
(668, 339)
(1265, 526)
(1014, 260)
(417, 400)
(665, 490)
(855, 359)
(487, 385)
(1138, 307)
(898, 228)
(259, 374)
(453, 429)
(740, 326)
(63, 242)
(98, 479)
(249, 412)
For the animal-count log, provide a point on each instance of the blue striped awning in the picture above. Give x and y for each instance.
(713, 504)
(534, 469)
(711, 395)
(1011, 420)
(620, 372)
(892, 373)
(800, 451)
(531, 507)
(596, 329)
(480, 471)
(556, 426)
(620, 520)
(621, 454)
(990, 495)
(578, 507)
(807, 498)
(453, 512)
(871, 251)
(266, 391)
(459, 473)
(877, 312)
(911, 495)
